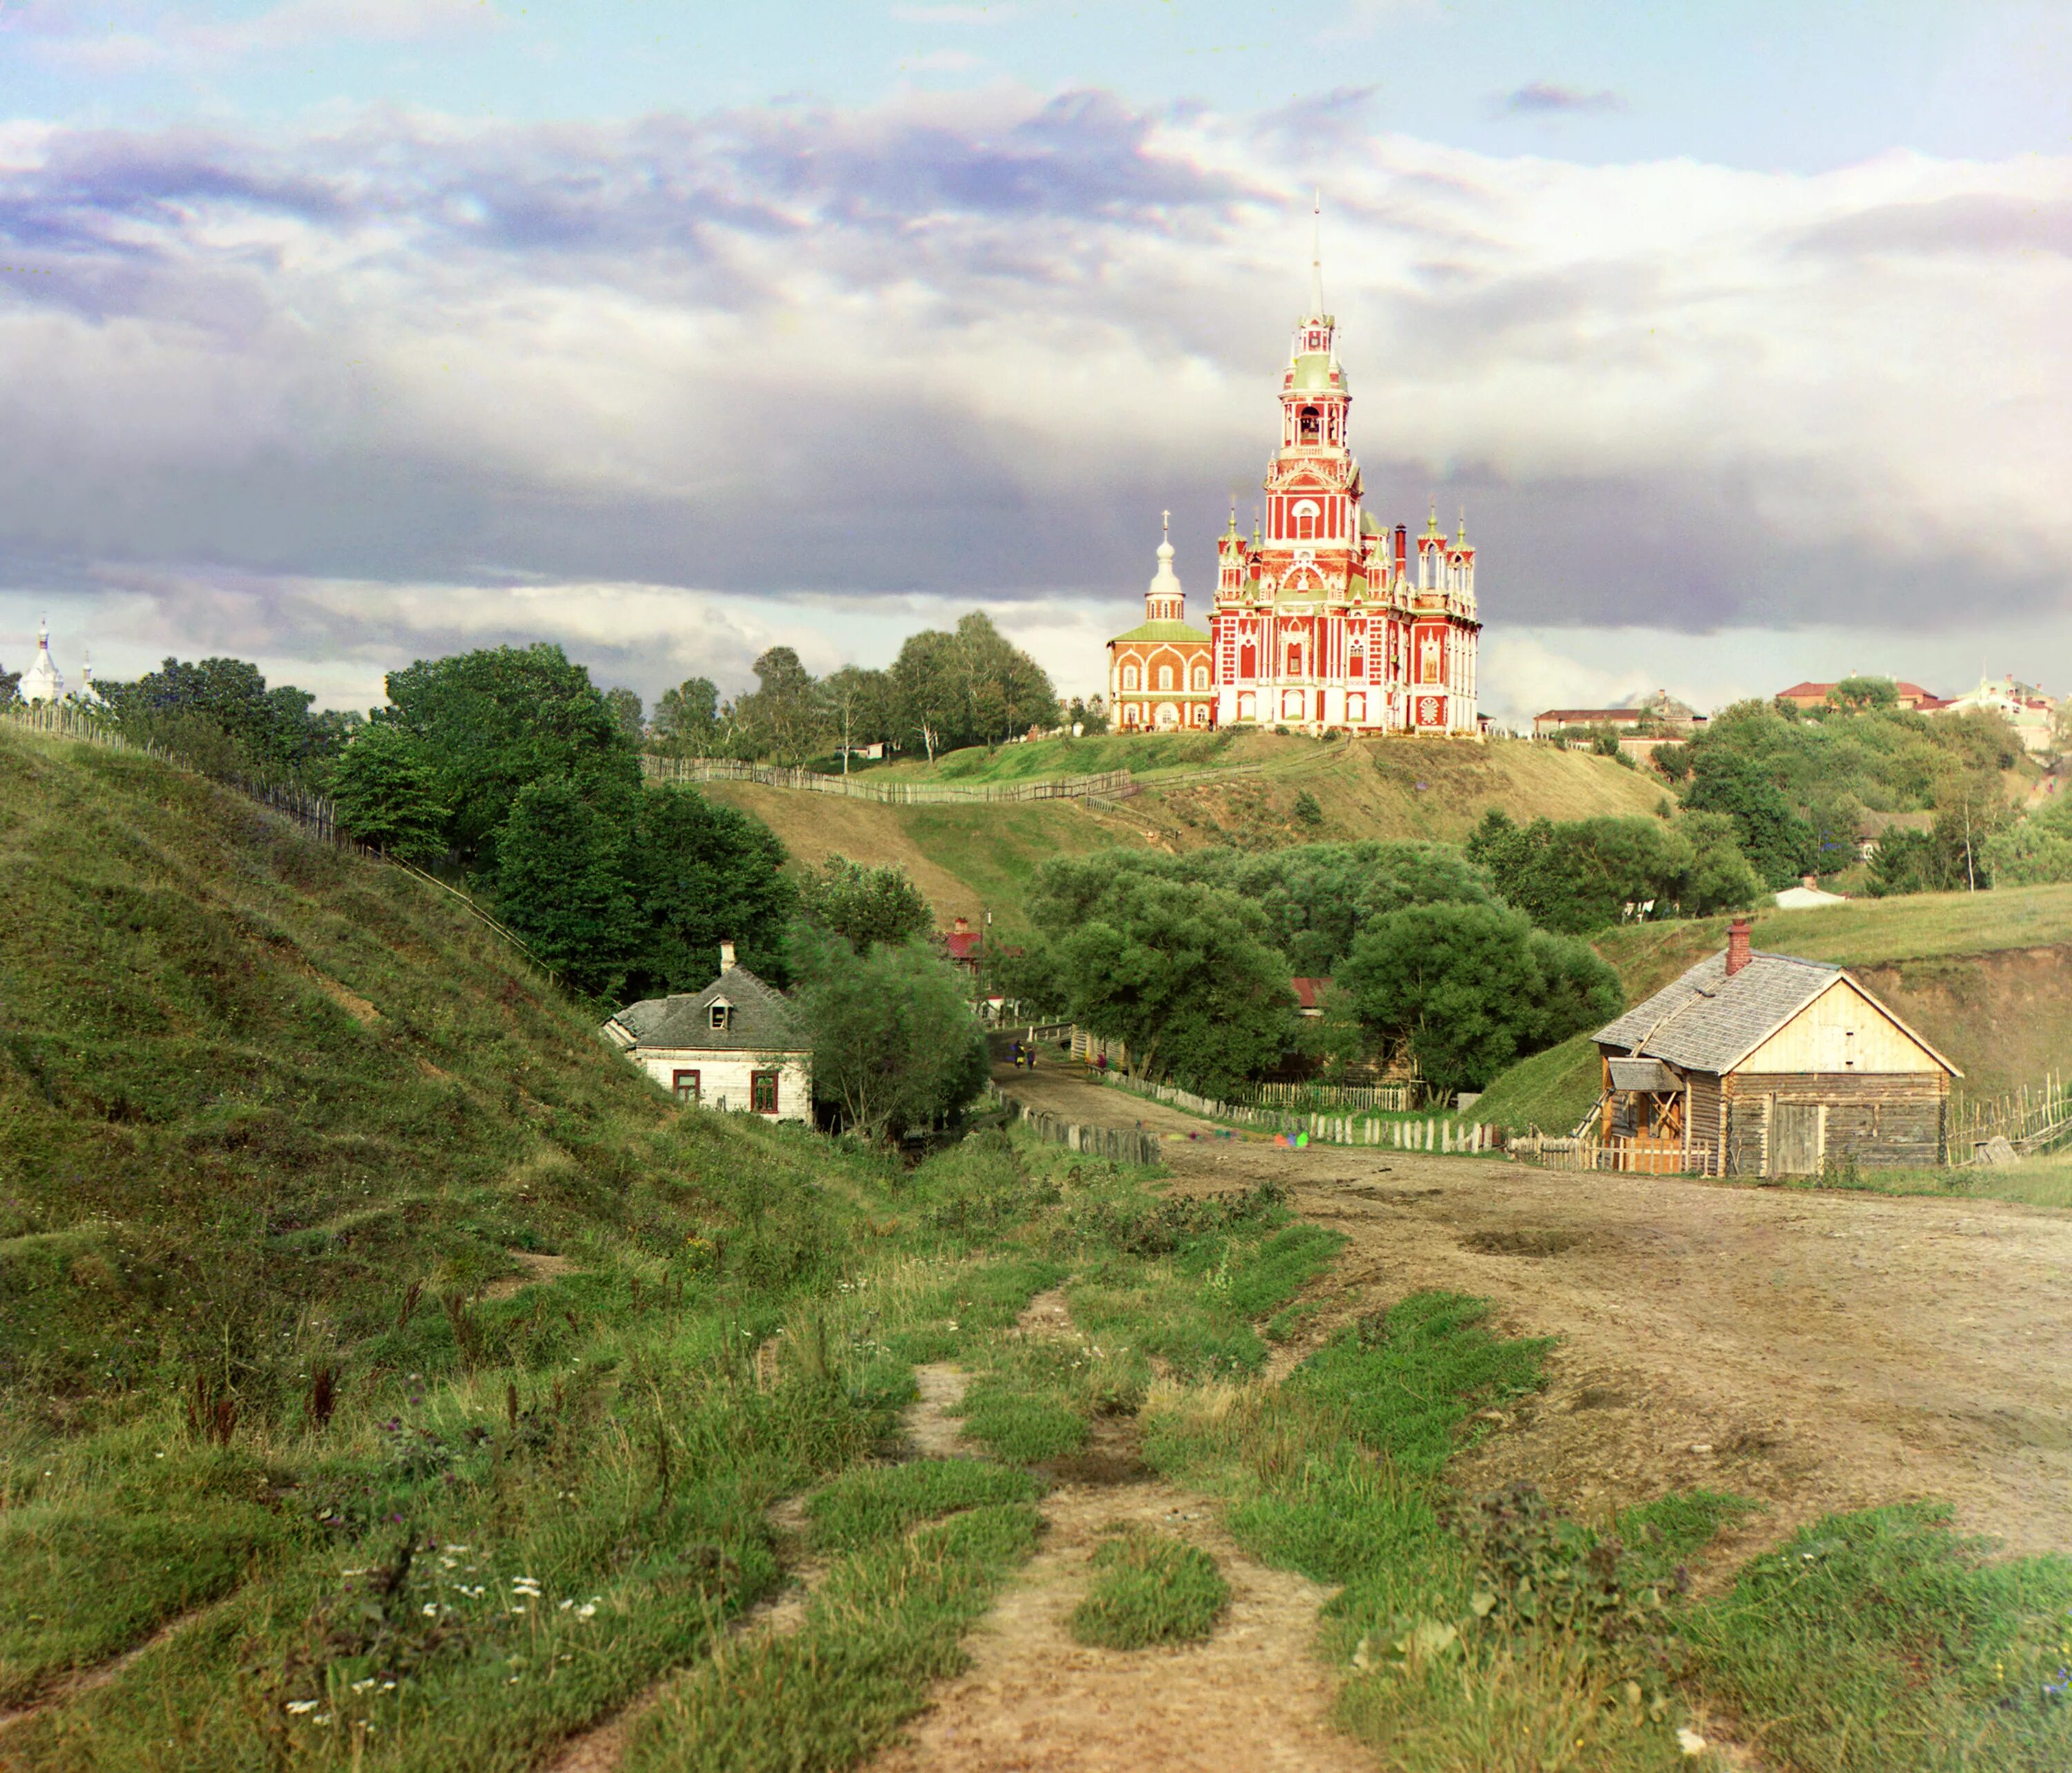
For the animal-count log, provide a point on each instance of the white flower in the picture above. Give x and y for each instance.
(587, 1610)
(298, 1706)
(1690, 1741)
(361, 1686)
(429, 1609)
(323, 1717)
(566, 1605)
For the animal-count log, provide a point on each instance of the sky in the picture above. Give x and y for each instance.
(335, 334)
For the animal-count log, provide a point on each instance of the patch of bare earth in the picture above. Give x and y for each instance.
(536, 1267)
(1817, 1351)
(1253, 1697)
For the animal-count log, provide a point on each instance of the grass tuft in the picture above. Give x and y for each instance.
(1150, 1588)
(873, 1502)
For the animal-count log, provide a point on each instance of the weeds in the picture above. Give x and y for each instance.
(1150, 1588)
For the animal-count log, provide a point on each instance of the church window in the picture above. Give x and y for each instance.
(1358, 668)
(1306, 520)
(1129, 677)
(1306, 430)
(1294, 662)
(1165, 676)
(1200, 676)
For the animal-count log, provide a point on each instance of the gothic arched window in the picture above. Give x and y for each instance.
(1129, 677)
(1306, 514)
(1165, 676)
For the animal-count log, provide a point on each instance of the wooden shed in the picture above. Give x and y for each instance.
(1755, 1064)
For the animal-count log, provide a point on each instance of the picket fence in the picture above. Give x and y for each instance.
(1399, 1098)
(1121, 1144)
(1623, 1157)
(1435, 1133)
(1112, 785)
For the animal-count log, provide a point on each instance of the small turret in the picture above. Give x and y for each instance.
(1164, 601)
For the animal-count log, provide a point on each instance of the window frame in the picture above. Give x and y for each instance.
(756, 1081)
(677, 1077)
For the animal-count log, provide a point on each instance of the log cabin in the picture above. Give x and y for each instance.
(1756, 1064)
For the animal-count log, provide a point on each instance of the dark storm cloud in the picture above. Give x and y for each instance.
(967, 348)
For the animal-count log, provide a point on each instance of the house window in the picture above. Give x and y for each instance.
(683, 1086)
(762, 1092)
(722, 1015)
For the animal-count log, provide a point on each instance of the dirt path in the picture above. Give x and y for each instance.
(1254, 1696)
(1818, 1350)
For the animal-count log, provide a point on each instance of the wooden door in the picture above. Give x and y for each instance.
(1797, 1136)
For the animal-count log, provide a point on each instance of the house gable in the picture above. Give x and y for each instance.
(1844, 1029)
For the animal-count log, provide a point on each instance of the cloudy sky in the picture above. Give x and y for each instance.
(337, 333)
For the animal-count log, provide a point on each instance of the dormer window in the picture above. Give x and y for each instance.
(722, 1015)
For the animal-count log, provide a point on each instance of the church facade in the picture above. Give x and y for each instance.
(1160, 674)
(1327, 620)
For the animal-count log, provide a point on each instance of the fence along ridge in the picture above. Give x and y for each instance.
(312, 812)
(1109, 785)
(1433, 1133)
(1122, 1144)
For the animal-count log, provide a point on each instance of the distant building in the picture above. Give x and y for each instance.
(1755, 1064)
(1816, 695)
(1661, 711)
(43, 681)
(1159, 672)
(2032, 714)
(733, 1046)
(964, 945)
(1309, 996)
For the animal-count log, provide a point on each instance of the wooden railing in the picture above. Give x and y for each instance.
(1112, 785)
(1626, 1157)
(2035, 1118)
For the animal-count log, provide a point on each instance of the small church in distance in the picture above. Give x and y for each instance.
(1319, 622)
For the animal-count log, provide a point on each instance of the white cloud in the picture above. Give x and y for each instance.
(823, 372)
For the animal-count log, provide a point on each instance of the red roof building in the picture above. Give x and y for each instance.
(1816, 695)
(963, 944)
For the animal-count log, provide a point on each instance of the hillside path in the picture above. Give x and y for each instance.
(1820, 1351)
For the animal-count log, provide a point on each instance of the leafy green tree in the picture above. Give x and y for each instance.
(687, 718)
(1716, 877)
(1184, 973)
(1473, 987)
(1091, 717)
(562, 882)
(1953, 855)
(2035, 851)
(1581, 875)
(782, 719)
(924, 692)
(895, 1045)
(868, 907)
(385, 794)
(220, 716)
(700, 873)
(971, 687)
(489, 723)
(857, 708)
(1862, 693)
(9, 682)
(625, 708)
(1779, 845)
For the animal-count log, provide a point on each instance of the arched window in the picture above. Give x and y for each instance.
(1294, 662)
(1165, 676)
(1307, 427)
(1200, 676)
(1129, 677)
(1305, 514)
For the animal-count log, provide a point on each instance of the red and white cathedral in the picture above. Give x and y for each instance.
(1321, 621)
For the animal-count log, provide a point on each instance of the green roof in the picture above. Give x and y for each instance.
(1313, 375)
(1163, 630)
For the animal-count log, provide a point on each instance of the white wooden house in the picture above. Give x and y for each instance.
(733, 1046)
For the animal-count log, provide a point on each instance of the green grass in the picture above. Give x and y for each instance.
(1093, 756)
(1552, 1090)
(1150, 1588)
(870, 1503)
(885, 1623)
(1880, 1641)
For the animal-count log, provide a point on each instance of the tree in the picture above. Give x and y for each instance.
(781, 717)
(857, 707)
(700, 873)
(625, 708)
(1090, 717)
(868, 907)
(489, 723)
(562, 884)
(687, 718)
(1717, 877)
(1582, 874)
(9, 682)
(1778, 843)
(895, 1044)
(1184, 973)
(1472, 987)
(971, 687)
(923, 691)
(1861, 692)
(2035, 851)
(385, 794)
(220, 716)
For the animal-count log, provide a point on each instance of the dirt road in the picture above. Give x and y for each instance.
(1818, 1350)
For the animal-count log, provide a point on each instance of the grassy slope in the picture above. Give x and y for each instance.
(964, 857)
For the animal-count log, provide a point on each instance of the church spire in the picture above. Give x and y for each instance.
(1316, 253)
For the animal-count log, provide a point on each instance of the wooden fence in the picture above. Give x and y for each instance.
(311, 812)
(1624, 1156)
(1397, 1098)
(1112, 785)
(1435, 1133)
(1121, 1144)
(2034, 1118)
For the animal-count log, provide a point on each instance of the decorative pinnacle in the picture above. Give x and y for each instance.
(1317, 253)
(1464, 526)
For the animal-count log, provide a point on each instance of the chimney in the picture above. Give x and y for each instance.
(962, 926)
(1402, 549)
(1811, 882)
(726, 955)
(1737, 945)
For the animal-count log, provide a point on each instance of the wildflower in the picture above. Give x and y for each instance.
(587, 1610)
(429, 1609)
(298, 1706)
(1690, 1741)
(566, 1605)
(361, 1686)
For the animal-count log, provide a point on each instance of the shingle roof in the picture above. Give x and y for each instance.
(1706, 1022)
(761, 1020)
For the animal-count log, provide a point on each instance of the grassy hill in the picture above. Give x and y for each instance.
(966, 856)
(1986, 977)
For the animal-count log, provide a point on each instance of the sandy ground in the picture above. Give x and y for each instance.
(1254, 1696)
(1816, 1350)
